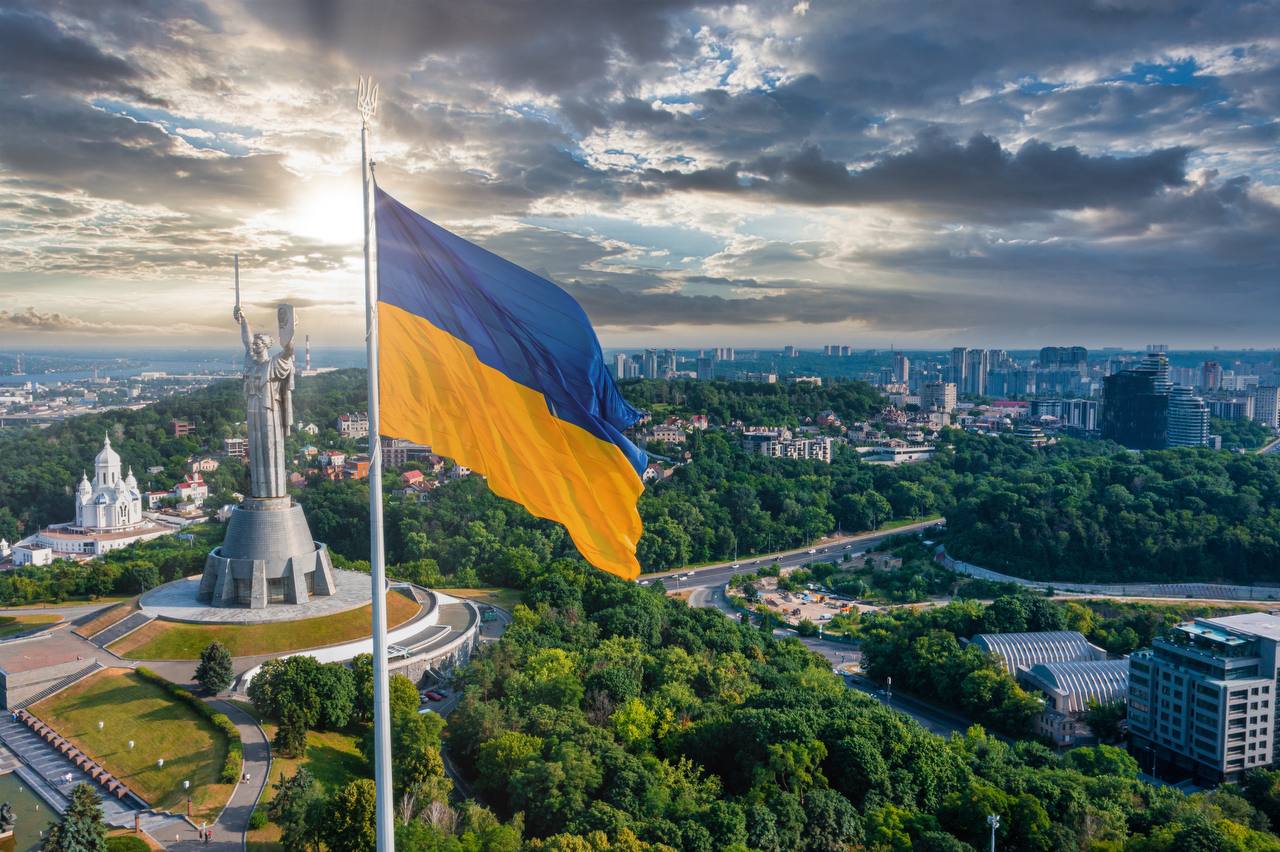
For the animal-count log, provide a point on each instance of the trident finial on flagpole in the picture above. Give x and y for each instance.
(367, 99)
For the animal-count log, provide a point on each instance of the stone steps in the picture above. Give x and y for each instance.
(58, 686)
(121, 629)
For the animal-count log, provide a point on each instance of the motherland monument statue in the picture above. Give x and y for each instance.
(268, 555)
(268, 395)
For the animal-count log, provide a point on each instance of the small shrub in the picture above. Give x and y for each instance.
(258, 819)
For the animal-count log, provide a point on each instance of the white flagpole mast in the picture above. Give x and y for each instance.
(367, 104)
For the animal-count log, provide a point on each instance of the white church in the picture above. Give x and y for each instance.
(108, 516)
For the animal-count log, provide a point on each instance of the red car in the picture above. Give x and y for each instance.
(433, 695)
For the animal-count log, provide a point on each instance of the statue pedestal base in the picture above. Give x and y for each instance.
(7, 841)
(268, 557)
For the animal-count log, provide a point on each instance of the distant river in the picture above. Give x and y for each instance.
(171, 367)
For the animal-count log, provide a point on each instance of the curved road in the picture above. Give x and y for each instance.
(830, 550)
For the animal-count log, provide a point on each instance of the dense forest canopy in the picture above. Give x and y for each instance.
(1076, 510)
(611, 711)
(755, 403)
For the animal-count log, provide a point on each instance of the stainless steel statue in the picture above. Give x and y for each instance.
(267, 556)
(268, 393)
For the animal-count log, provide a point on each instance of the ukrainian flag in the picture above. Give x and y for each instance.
(500, 370)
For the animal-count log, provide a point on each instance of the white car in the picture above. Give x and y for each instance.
(735, 565)
(811, 550)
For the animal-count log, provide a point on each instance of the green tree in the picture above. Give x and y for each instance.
(1101, 760)
(349, 825)
(81, 828)
(633, 722)
(404, 696)
(215, 672)
(362, 679)
(1107, 720)
(293, 808)
(500, 758)
(291, 735)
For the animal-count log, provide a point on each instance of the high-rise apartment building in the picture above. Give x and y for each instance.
(1266, 405)
(1210, 375)
(724, 353)
(1157, 364)
(1233, 381)
(1188, 419)
(1202, 697)
(1238, 407)
(1011, 381)
(620, 366)
(1076, 413)
(1143, 410)
(976, 365)
(790, 352)
(651, 364)
(901, 368)
(938, 396)
(706, 368)
(1071, 358)
(956, 367)
(1134, 413)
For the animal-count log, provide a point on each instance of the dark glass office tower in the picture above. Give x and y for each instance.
(1135, 410)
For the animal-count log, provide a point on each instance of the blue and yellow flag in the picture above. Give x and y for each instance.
(500, 370)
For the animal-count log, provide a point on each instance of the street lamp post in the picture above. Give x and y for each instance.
(888, 690)
(993, 820)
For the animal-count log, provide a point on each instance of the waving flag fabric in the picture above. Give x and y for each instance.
(500, 370)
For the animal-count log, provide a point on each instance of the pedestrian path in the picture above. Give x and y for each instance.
(232, 824)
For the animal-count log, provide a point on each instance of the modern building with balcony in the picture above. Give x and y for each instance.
(1200, 699)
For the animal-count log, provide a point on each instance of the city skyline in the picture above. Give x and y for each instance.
(695, 175)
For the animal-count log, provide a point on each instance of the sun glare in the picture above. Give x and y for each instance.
(328, 212)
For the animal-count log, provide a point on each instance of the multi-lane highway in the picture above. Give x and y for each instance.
(828, 550)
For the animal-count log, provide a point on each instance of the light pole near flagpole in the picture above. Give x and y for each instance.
(367, 104)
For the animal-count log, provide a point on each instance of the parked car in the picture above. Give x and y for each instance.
(433, 695)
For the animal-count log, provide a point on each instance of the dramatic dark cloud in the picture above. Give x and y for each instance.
(901, 168)
(979, 175)
(35, 54)
(563, 45)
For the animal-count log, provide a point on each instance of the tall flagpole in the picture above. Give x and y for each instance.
(367, 104)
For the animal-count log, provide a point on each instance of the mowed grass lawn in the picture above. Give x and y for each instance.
(333, 757)
(172, 640)
(12, 625)
(160, 727)
(497, 596)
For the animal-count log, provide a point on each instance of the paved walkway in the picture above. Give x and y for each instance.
(179, 600)
(231, 825)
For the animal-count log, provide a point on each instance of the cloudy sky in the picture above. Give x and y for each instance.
(1012, 174)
